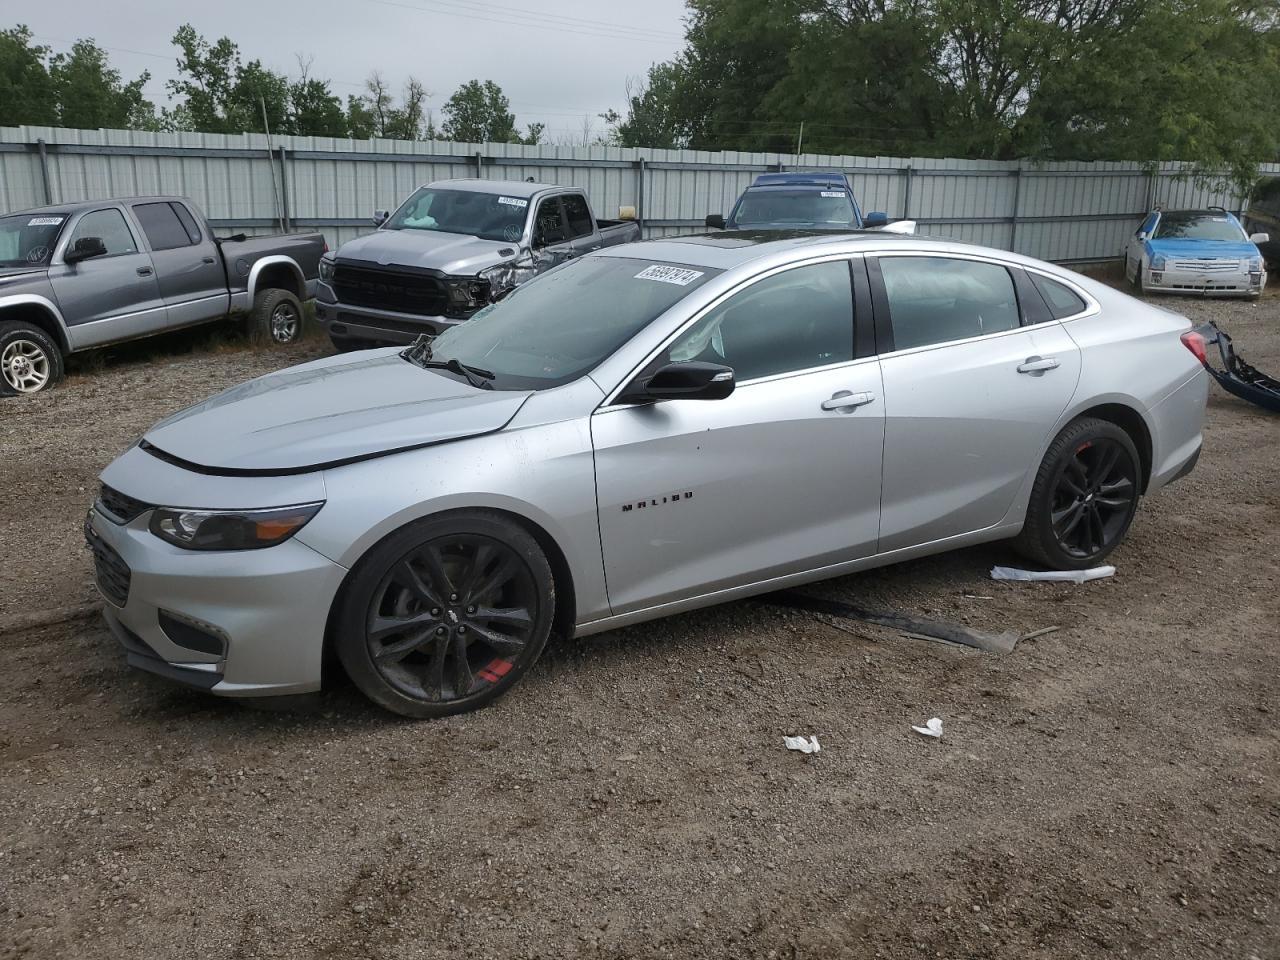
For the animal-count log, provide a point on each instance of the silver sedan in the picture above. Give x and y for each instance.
(646, 430)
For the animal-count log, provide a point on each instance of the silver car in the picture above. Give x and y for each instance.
(646, 430)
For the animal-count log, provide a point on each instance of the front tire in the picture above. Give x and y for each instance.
(445, 614)
(30, 361)
(277, 318)
(1084, 497)
(1138, 285)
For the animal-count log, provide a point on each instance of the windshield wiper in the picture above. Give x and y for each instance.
(420, 355)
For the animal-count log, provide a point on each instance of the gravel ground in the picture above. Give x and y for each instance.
(1109, 789)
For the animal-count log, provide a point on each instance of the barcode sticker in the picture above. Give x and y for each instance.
(832, 193)
(677, 275)
(44, 221)
(513, 201)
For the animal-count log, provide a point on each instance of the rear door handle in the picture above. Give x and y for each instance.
(208, 260)
(846, 400)
(144, 271)
(1038, 364)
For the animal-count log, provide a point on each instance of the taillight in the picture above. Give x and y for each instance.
(1195, 343)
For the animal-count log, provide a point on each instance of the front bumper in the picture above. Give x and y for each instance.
(382, 326)
(1198, 283)
(237, 623)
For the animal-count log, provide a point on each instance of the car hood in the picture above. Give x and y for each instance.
(451, 253)
(329, 412)
(1204, 249)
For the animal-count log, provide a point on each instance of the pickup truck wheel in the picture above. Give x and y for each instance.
(276, 318)
(29, 359)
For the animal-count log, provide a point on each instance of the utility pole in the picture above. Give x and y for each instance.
(275, 190)
(799, 143)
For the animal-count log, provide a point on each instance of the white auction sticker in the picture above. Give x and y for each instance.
(832, 193)
(513, 201)
(44, 221)
(676, 275)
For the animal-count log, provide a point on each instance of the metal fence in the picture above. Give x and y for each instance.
(1070, 212)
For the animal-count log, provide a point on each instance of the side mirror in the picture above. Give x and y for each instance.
(1142, 234)
(86, 248)
(380, 217)
(1259, 237)
(715, 221)
(692, 380)
(876, 219)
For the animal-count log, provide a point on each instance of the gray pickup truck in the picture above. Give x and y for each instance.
(92, 273)
(453, 247)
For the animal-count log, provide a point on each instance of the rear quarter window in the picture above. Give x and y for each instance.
(1062, 300)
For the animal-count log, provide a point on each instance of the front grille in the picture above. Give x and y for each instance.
(383, 289)
(113, 574)
(1206, 266)
(120, 506)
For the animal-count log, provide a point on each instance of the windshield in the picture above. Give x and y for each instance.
(28, 239)
(554, 329)
(1198, 226)
(490, 216)
(819, 208)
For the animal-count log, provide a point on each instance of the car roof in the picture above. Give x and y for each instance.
(728, 249)
(510, 188)
(79, 206)
(801, 179)
(1201, 212)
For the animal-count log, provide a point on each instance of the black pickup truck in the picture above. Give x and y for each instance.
(451, 248)
(87, 274)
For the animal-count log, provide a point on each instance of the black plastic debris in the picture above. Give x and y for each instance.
(930, 629)
(1237, 377)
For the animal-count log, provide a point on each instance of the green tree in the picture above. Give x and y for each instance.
(90, 93)
(26, 89)
(1070, 79)
(480, 113)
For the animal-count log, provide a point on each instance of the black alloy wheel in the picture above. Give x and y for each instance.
(1094, 498)
(1084, 497)
(446, 615)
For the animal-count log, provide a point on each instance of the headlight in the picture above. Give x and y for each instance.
(505, 276)
(326, 269)
(1157, 261)
(231, 529)
(1255, 265)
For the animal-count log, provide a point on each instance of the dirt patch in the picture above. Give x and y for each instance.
(1109, 789)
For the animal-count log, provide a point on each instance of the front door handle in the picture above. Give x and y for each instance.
(208, 260)
(847, 401)
(144, 271)
(1038, 364)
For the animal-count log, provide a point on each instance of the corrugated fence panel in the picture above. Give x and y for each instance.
(1054, 211)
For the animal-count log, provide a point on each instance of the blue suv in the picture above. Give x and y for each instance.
(1195, 251)
(797, 201)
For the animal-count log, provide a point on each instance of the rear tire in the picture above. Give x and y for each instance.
(277, 318)
(30, 360)
(446, 614)
(1084, 497)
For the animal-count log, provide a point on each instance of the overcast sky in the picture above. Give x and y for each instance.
(557, 60)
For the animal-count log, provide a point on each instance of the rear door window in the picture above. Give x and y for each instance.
(942, 299)
(161, 225)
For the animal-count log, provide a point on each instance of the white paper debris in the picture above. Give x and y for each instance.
(1057, 576)
(933, 728)
(803, 744)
